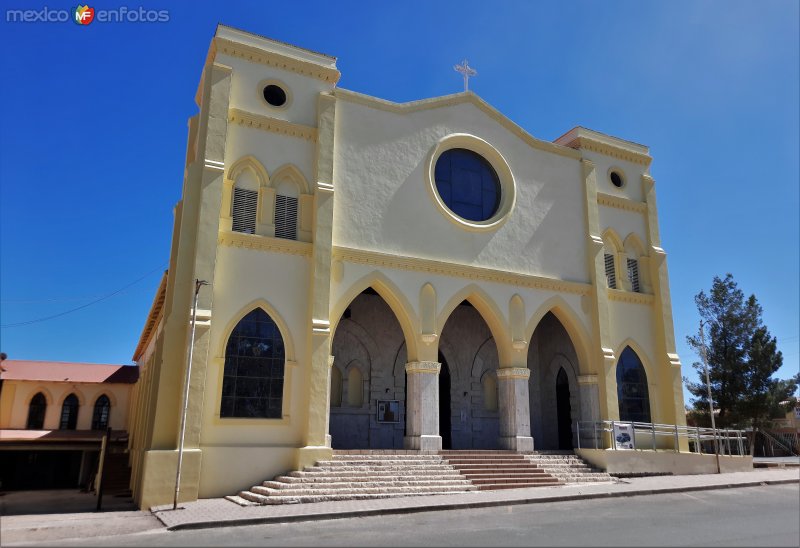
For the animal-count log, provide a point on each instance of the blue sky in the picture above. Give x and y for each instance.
(92, 142)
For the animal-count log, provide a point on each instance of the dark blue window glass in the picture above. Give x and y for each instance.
(467, 184)
(632, 392)
(252, 382)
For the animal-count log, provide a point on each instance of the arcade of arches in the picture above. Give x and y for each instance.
(368, 374)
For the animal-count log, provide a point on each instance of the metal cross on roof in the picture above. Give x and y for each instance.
(465, 71)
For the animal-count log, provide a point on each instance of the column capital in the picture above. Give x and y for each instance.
(587, 379)
(423, 367)
(513, 373)
(330, 361)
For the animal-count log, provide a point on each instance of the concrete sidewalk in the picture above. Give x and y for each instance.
(221, 513)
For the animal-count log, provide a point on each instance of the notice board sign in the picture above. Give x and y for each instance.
(623, 435)
(388, 411)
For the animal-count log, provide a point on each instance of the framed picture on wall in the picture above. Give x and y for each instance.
(388, 411)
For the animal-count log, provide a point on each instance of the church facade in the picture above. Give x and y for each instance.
(423, 275)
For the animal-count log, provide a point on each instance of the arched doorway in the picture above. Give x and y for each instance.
(553, 385)
(563, 410)
(468, 355)
(367, 404)
(445, 419)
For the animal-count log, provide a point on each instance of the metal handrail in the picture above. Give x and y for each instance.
(723, 441)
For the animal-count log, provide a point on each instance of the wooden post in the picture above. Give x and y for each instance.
(101, 467)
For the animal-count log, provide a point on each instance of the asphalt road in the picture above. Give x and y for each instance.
(752, 516)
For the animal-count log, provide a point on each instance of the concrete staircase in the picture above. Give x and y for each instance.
(358, 475)
(371, 474)
(498, 469)
(567, 467)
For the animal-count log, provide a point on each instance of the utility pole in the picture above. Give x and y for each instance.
(708, 388)
(197, 285)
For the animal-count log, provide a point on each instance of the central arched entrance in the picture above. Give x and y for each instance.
(468, 414)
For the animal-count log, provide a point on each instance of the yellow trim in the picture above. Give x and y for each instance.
(77, 392)
(292, 172)
(153, 318)
(275, 125)
(619, 202)
(47, 396)
(594, 141)
(265, 243)
(396, 300)
(375, 258)
(630, 297)
(579, 337)
(248, 162)
(508, 186)
(490, 313)
(620, 172)
(634, 244)
(456, 99)
(275, 60)
(278, 83)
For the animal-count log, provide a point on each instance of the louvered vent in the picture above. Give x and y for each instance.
(633, 274)
(285, 217)
(611, 276)
(245, 205)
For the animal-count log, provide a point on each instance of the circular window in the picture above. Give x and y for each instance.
(467, 184)
(616, 179)
(274, 95)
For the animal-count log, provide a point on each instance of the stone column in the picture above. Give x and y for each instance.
(515, 415)
(422, 406)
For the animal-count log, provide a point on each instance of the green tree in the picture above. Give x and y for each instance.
(742, 356)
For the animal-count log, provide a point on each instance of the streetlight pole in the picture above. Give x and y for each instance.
(197, 285)
(708, 388)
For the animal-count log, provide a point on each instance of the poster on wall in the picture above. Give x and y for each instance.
(388, 411)
(623, 435)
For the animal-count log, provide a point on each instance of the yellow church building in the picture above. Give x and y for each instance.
(409, 276)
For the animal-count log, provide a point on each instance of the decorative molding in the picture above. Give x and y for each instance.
(267, 123)
(330, 361)
(608, 149)
(374, 258)
(428, 338)
(450, 100)
(265, 243)
(587, 379)
(321, 327)
(275, 60)
(213, 164)
(423, 367)
(505, 373)
(324, 187)
(674, 360)
(519, 344)
(630, 297)
(621, 203)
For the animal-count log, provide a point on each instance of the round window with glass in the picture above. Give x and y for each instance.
(467, 184)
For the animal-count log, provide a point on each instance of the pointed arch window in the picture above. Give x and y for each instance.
(36, 411)
(252, 384)
(244, 209)
(286, 210)
(632, 391)
(633, 274)
(102, 408)
(69, 413)
(611, 274)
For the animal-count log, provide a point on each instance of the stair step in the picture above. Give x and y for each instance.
(266, 491)
(364, 483)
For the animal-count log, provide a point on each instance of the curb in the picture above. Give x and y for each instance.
(463, 505)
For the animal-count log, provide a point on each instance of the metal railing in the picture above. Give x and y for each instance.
(650, 436)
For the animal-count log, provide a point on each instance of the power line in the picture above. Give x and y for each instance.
(70, 311)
